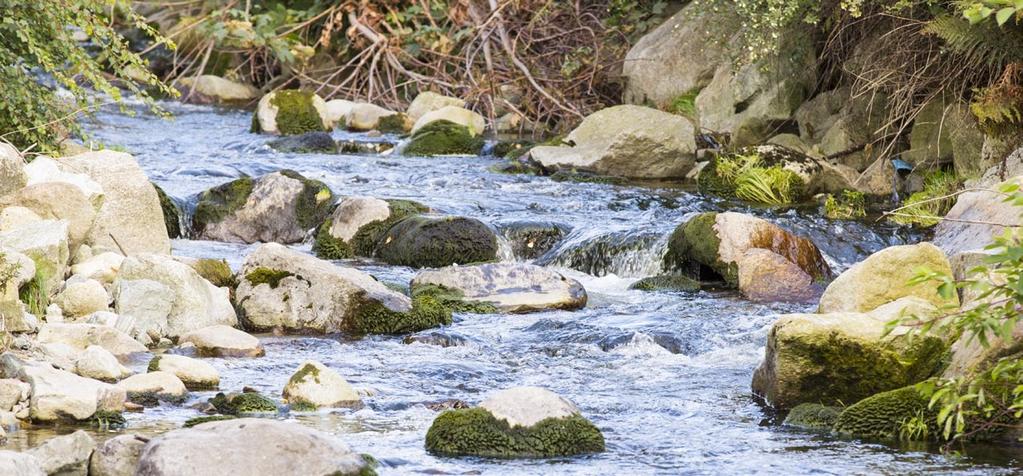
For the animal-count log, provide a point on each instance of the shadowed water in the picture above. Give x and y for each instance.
(664, 376)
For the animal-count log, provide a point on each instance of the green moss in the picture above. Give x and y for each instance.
(812, 416)
(296, 113)
(302, 406)
(849, 205)
(269, 276)
(425, 242)
(372, 317)
(882, 416)
(206, 419)
(216, 271)
(154, 364)
(243, 403)
(171, 214)
(308, 143)
(221, 201)
(368, 237)
(475, 432)
(107, 419)
(326, 246)
(685, 104)
(667, 282)
(443, 138)
(305, 372)
(152, 399)
(314, 201)
(453, 299)
(393, 124)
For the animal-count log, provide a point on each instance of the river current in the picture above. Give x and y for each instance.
(665, 376)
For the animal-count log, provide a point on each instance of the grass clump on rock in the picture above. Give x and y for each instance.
(926, 207)
(444, 138)
(296, 113)
(848, 205)
(747, 177)
(476, 432)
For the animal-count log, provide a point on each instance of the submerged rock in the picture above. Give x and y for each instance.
(509, 287)
(278, 207)
(290, 112)
(742, 250)
(443, 137)
(884, 277)
(521, 422)
(667, 282)
(625, 141)
(249, 446)
(308, 143)
(290, 291)
(316, 385)
(843, 357)
(531, 239)
(434, 242)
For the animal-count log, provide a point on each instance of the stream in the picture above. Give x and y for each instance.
(665, 376)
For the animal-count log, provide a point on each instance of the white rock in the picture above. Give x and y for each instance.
(117, 456)
(46, 243)
(194, 373)
(45, 169)
(337, 111)
(511, 287)
(80, 336)
(98, 363)
(57, 395)
(354, 213)
(13, 463)
(102, 267)
(12, 169)
(163, 385)
(266, 112)
(316, 384)
(459, 115)
(12, 392)
(223, 341)
(61, 356)
(58, 201)
(366, 117)
(429, 101)
(82, 298)
(14, 216)
(527, 406)
(66, 455)
(210, 89)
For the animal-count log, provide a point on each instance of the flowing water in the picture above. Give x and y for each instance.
(665, 376)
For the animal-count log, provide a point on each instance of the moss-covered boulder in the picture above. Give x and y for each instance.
(667, 282)
(509, 287)
(287, 291)
(308, 143)
(772, 174)
(444, 137)
(171, 213)
(883, 416)
(812, 416)
(315, 385)
(244, 404)
(725, 246)
(290, 112)
(838, 358)
(279, 207)
(358, 223)
(456, 114)
(435, 242)
(522, 422)
(885, 277)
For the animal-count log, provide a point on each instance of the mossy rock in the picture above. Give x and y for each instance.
(269, 276)
(206, 419)
(372, 317)
(308, 143)
(453, 299)
(883, 415)
(106, 419)
(216, 271)
(512, 149)
(238, 404)
(221, 201)
(326, 246)
(444, 138)
(709, 183)
(667, 282)
(393, 124)
(475, 432)
(425, 242)
(314, 201)
(694, 245)
(530, 240)
(171, 213)
(296, 113)
(812, 416)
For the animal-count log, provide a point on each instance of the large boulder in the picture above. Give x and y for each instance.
(316, 385)
(66, 455)
(282, 289)
(117, 456)
(520, 422)
(945, 132)
(290, 112)
(625, 141)
(46, 243)
(509, 287)
(434, 242)
(731, 246)
(249, 446)
(976, 219)
(454, 114)
(98, 363)
(884, 277)
(58, 201)
(130, 219)
(44, 169)
(428, 101)
(12, 170)
(223, 341)
(195, 374)
(277, 207)
(168, 298)
(840, 124)
(842, 357)
(61, 396)
(358, 224)
(16, 463)
(82, 335)
(210, 89)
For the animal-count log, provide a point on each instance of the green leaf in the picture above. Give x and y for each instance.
(1004, 15)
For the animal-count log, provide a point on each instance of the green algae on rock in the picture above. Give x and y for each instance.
(296, 113)
(812, 416)
(444, 137)
(372, 317)
(427, 242)
(882, 416)
(218, 202)
(326, 246)
(268, 276)
(667, 282)
(240, 404)
(206, 419)
(476, 432)
(171, 213)
(216, 271)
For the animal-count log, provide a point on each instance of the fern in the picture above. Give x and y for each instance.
(984, 44)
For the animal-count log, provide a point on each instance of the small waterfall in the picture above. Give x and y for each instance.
(504, 249)
(630, 254)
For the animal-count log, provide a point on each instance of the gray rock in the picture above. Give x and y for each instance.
(249, 446)
(46, 243)
(12, 170)
(210, 89)
(65, 455)
(117, 456)
(58, 395)
(58, 201)
(82, 335)
(223, 341)
(527, 406)
(976, 218)
(511, 287)
(13, 463)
